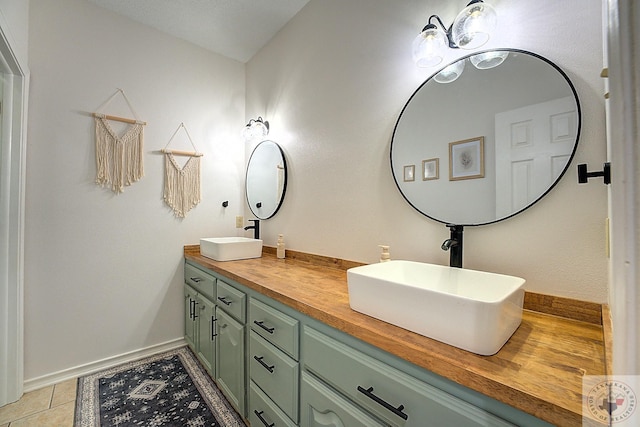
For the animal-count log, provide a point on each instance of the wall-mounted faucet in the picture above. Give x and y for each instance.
(454, 245)
(255, 227)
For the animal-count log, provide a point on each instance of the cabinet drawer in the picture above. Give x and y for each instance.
(201, 281)
(263, 412)
(392, 395)
(275, 373)
(274, 326)
(232, 301)
(323, 407)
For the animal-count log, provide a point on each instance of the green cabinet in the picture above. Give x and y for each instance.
(206, 330)
(215, 314)
(391, 395)
(323, 407)
(281, 368)
(230, 366)
(199, 326)
(190, 316)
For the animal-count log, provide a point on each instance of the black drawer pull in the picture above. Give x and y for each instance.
(261, 324)
(225, 301)
(196, 279)
(398, 411)
(213, 328)
(259, 415)
(267, 367)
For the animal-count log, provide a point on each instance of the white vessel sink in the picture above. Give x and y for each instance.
(472, 310)
(230, 248)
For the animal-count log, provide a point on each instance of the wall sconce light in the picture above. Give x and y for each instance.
(256, 128)
(471, 29)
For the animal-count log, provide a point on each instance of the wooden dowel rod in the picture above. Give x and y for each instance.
(182, 153)
(119, 119)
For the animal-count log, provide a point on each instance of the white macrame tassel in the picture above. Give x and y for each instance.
(181, 186)
(119, 161)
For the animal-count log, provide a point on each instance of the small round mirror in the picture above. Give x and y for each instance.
(487, 141)
(266, 181)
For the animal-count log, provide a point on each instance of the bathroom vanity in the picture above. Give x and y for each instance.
(286, 348)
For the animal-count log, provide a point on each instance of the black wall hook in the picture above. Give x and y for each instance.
(583, 175)
(225, 203)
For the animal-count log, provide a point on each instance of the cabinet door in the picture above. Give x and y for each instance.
(206, 333)
(230, 361)
(189, 317)
(322, 407)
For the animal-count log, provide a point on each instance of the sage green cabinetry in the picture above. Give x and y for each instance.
(206, 332)
(215, 317)
(230, 365)
(388, 394)
(273, 364)
(200, 331)
(323, 407)
(190, 317)
(302, 372)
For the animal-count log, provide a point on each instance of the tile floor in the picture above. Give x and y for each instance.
(51, 406)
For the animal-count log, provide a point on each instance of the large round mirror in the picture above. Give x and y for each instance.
(266, 180)
(485, 137)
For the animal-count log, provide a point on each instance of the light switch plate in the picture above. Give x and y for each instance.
(239, 221)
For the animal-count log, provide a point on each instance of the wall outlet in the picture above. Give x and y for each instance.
(239, 221)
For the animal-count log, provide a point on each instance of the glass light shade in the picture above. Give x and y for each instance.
(484, 61)
(255, 129)
(473, 26)
(450, 73)
(429, 47)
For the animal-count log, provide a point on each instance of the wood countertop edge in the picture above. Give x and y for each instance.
(448, 366)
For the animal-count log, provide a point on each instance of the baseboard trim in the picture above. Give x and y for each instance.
(89, 368)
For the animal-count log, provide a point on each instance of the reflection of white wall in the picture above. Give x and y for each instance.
(443, 113)
(333, 97)
(264, 179)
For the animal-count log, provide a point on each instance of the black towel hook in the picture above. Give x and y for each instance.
(583, 175)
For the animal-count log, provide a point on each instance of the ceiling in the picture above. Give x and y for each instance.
(236, 29)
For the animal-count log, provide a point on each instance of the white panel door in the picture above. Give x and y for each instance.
(533, 145)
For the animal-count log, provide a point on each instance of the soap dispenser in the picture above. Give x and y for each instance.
(384, 255)
(280, 247)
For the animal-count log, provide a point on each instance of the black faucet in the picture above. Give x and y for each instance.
(255, 227)
(454, 245)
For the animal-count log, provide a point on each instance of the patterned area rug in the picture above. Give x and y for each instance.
(168, 389)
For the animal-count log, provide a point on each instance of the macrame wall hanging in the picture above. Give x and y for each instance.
(181, 184)
(119, 160)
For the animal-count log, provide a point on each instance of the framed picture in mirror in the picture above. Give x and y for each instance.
(466, 159)
(430, 169)
(409, 173)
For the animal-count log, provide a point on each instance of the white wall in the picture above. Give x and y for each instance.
(16, 14)
(332, 84)
(103, 272)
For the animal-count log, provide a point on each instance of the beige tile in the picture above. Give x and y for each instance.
(64, 392)
(30, 403)
(4, 425)
(60, 416)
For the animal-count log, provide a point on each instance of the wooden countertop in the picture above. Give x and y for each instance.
(538, 371)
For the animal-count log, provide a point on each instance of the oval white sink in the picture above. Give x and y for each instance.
(472, 310)
(230, 248)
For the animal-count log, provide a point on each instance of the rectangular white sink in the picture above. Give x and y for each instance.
(472, 310)
(230, 248)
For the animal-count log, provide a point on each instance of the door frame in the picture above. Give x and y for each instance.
(623, 53)
(12, 202)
